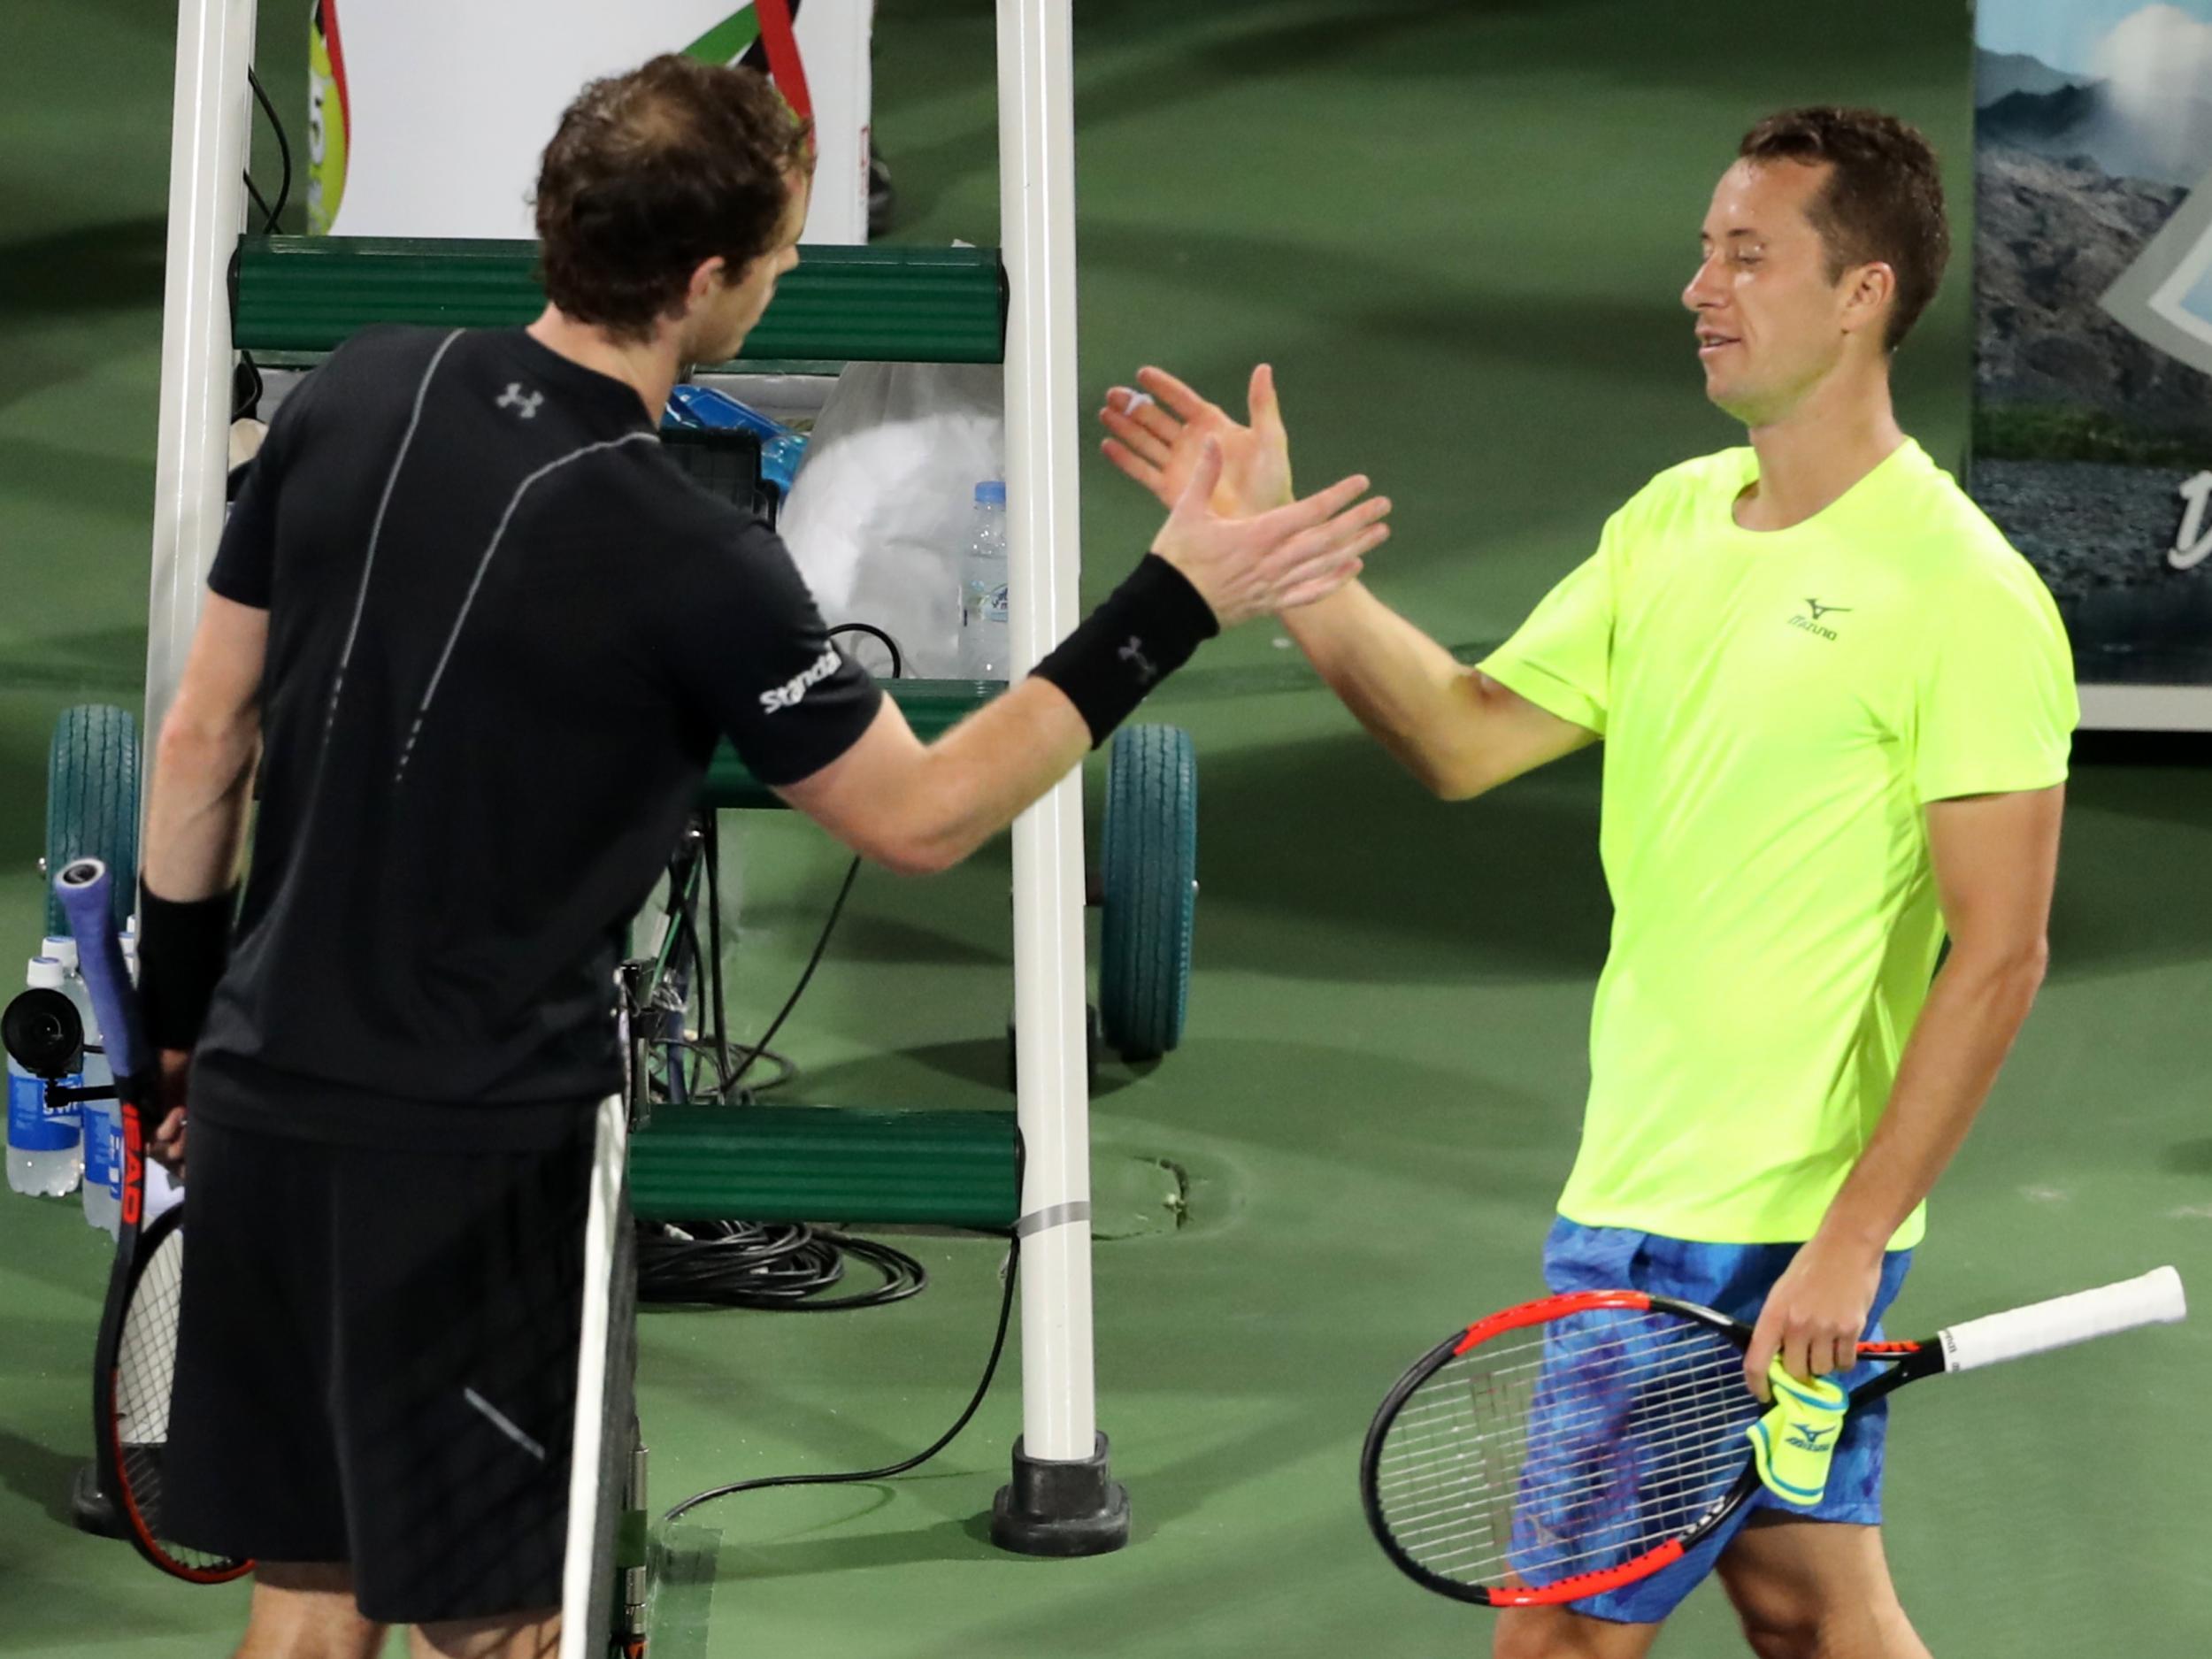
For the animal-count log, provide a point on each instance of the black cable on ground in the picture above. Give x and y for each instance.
(975, 1401)
(756, 1264)
(821, 946)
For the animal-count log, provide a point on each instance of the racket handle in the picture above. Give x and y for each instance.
(82, 887)
(2153, 1299)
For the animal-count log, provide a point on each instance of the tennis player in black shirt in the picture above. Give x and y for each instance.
(480, 637)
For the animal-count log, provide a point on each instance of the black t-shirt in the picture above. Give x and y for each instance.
(506, 633)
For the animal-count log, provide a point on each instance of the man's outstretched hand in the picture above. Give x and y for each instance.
(1279, 560)
(1156, 432)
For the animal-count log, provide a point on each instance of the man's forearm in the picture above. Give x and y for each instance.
(1974, 1011)
(988, 769)
(1410, 693)
(195, 821)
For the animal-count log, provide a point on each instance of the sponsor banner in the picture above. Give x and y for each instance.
(2092, 277)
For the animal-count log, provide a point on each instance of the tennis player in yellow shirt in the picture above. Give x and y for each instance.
(1836, 709)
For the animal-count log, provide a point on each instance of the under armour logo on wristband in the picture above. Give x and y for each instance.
(1133, 653)
(515, 398)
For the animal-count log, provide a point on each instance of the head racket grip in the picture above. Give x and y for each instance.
(82, 887)
(2156, 1298)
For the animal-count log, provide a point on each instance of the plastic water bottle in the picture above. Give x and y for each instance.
(44, 1152)
(63, 950)
(985, 652)
(103, 1123)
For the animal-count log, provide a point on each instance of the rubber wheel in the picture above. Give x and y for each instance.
(92, 802)
(1150, 877)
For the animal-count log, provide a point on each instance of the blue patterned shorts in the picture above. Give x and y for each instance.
(1733, 1279)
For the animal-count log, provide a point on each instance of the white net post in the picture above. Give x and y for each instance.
(604, 1443)
(208, 151)
(1060, 1502)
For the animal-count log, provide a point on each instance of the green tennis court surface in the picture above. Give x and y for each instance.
(1458, 229)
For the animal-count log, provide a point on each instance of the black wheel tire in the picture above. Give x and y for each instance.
(92, 802)
(1149, 871)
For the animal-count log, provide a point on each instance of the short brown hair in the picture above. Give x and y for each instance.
(652, 172)
(1883, 201)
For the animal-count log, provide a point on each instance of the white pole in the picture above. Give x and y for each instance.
(1036, 97)
(588, 1574)
(209, 122)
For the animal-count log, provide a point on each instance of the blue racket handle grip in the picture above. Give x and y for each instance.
(82, 887)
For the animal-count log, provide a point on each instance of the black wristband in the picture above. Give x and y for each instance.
(1147, 629)
(182, 948)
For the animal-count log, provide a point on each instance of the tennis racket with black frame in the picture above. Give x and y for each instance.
(1581, 1442)
(134, 1360)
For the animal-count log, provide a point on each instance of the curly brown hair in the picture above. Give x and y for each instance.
(1883, 201)
(654, 172)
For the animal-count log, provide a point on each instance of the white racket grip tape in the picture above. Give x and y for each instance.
(2153, 1299)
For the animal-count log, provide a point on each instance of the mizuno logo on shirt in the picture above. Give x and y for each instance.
(793, 691)
(1809, 620)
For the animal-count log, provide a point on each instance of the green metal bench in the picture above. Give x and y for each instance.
(300, 296)
(950, 1169)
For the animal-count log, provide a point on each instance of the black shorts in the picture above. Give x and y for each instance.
(377, 1365)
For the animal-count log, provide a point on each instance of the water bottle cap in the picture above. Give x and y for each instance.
(991, 493)
(63, 950)
(47, 974)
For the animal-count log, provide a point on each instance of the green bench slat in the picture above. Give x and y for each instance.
(950, 1169)
(307, 294)
(932, 707)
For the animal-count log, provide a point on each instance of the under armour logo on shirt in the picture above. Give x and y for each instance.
(1134, 652)
(515, 398)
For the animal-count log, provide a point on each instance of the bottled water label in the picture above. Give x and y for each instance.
(986, 604)
(31, 1127)
(984, 616)
(102, 1165)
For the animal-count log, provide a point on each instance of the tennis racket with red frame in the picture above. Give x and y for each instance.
(135, 1360)
(1581, 1442)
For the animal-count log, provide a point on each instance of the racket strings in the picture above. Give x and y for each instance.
(1447, 1408)
(145, 1370)
(1668, 1505)
(1674, 1413)
(1570, 1447)
(1667, 1408)
(1559, 1474)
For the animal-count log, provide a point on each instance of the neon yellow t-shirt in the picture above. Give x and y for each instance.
(1778, 709)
